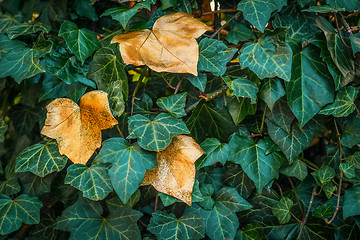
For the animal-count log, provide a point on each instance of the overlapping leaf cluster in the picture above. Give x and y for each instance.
(274, 105)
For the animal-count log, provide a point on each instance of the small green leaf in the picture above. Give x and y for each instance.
(207, 191)
(157, 134)
(167, 226)
(348, 169)
(214, 152)
(26, 29)
(297, 169)
(84, 221)
(237, 178)
(196, 196)
(42, 46)
(329, 189)
(207, 121)
(239, 108)
(107, 66)
(324, 211)
(10, 185)
(33, 185)
(281, 115)
(251, 232)
(81, 42)
(308, 74)
(324, 175)
(123, 14)
(355, 42)
(198, 81)
(93, 181)
(3, 129)
(354, 159)
(239, 32)
(6, 21)
(129, 163)
(85, 9)
(23, 209)
(269, 57)
(271, 90)
(281, 210)
(214, 55)
(351, 205)
(323, 9)
(257, 12)
(116, 99)
(350, 130)
(175, 104)
(343, 104)
(259, 166)
(228, 198)
(243, 87)
(41, 159)
(24, 118)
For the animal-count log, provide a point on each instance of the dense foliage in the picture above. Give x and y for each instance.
(274, 106)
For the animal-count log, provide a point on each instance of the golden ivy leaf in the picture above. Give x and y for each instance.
(175, 173)
(77, 129)
(169, 47)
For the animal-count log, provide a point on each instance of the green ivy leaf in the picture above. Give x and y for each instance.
(84, 221)
(212, 176)
(354, 160)
(198, 81)
(46, 228)
(26, 29)
(348, 5)
(297, 169)
(24, 118)
(123, 14)
(207, 190)
(243, 87)
(107, 66)
(41, 159)
(301, 25)
(3, 129)
(294, 142)
(250, 232)
(85, 9)
(93, 181)
(167, 226)
(259, 166)
(33, 185)
(351, 205)
(10, 185)
(157, 134)
(237, 178)
(19, 61)
(23, 209)
(207, 121)
(6, 21)
(222, 221)
(239, 32)
(341, 55)
(343, 104)
(129, 163)
(308, 73)
(324, 175)
(281, 210)
(81, 42)
(196, 196)
(324, 211)
(239, 108)
(215, 151)
(175, 104)
(351, 130)
(116, 99)
(42, 46)
(257, 12)
(214, 55)
(271, 90)
(323, 9)
(355, 42)
(281, 115)
(269, 57)
(348, 169)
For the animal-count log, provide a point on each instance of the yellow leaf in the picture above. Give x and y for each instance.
(175, 173)
(77, 129)
(169, 47)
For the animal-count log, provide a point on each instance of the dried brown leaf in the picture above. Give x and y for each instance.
(175, 173)
(169, 47)
(77, 129)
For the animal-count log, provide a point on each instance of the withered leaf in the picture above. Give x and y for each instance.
(77, 129)
(175, 173)
(169, 47)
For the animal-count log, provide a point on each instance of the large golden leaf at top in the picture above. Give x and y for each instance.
(169, 47)
(77, 129)
(175, 173)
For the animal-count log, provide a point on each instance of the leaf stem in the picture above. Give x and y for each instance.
(357, 110)
(296, 196)
(136, 90)
(121, 134)
(308, 212)
(262, 121)
(226, 24)
(309, 164)
(339, 32)
(178, 85)
(168, 83)
(156, 201)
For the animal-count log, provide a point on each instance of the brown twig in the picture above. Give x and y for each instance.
(136, 90)
(339, 32)
(209, 97)
(357, 110)
(168, 83)
(280, 190)
(297, 197)
(156, 201)
(293, 215)
(226, 24)
(352, 14)
(121, 134)
(142, 223)
(178, 85)
(307, 213)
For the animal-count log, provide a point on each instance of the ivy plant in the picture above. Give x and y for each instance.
(249, 108)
